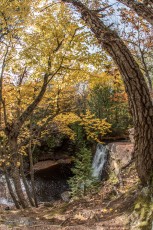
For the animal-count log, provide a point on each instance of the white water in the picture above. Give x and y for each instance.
(99, 161)
(97, 169)
(46, 189)
(4, 191)
(5, 201)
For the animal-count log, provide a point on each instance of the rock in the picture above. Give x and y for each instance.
(131, 135)
(46, 156)
(121, 153)
(66, 196)
(44, 165)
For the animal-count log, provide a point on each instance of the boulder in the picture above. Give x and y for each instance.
(66, 196)
(49, 164)
(131, 135)
(121, 153)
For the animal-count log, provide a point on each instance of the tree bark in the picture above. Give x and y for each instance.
(18, 187)
(15, 171)
(29, 195)
(30, 153)
(11, 190)
(135, 85)
(12, 132)
(32, 176)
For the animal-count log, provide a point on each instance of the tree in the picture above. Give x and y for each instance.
(138, 93)
(143, 9)
(94, 128)
(139, 39)
(19, 66)
(82, 183)
(107, 99)
(39, 67)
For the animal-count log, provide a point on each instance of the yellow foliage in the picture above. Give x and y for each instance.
(33, 37)
(113, 80)
(94, 127)
(18, 164)
(63, 121)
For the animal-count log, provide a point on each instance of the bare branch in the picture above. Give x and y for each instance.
(103, 8)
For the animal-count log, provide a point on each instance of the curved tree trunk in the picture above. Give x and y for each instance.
(135, 85)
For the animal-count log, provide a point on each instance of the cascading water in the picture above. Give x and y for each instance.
(5, 197)
(51, 188)
(99, 160)
(48, 185)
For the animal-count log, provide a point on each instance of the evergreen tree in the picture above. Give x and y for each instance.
(82, 183)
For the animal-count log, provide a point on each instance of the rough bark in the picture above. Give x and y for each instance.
(32, 177)
(30, 153)
(18, 187)
(11, 189)
(29, 195)
(142, 9)
(147, 73)
(135, 85)
(15, 171)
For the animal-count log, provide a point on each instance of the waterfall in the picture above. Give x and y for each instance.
(47, 189)
(5, 198)
(99, 160)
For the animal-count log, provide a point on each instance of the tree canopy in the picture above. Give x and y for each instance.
(67, 67)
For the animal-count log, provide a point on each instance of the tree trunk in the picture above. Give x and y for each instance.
(18, 187)
(30, 154)
(29, 195)
(135, 85)
(147, 74)
(11, 190)
(15, 170)
(32, 176)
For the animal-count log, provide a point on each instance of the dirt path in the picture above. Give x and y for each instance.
(110, 209)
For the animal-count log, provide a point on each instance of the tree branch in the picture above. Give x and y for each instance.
(142, 9)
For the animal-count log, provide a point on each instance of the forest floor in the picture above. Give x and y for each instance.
(110, 209)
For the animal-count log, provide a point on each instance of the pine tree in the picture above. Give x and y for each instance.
(82, 183)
